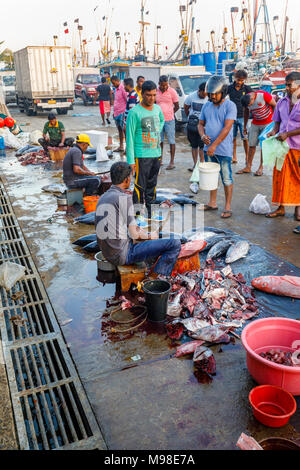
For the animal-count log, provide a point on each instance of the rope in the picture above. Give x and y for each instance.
(127, 322)
(113, 330)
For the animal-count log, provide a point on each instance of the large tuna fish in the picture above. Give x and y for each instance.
(88, 219)
(237, 251)
(83, 241)
(219, 249)
(181, 200)
(288, 286)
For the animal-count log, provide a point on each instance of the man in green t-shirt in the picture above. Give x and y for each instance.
(54, 134)
(143, 130)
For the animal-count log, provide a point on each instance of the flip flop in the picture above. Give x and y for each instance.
(207, 208)
(119, 150)
(234, 162)
(273, 215)
(242, 172)
(171, 167)
(226, 212)
(258, 174)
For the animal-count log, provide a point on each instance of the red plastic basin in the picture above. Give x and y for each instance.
(272, 406)
(272, 333)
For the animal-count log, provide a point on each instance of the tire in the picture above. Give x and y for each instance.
(62, 111)
(85, 100)
(28, 111)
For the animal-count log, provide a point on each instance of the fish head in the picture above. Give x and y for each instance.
(263, 283)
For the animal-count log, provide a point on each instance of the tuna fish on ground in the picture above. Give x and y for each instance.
(237, 251)
(219, 249)
(83, 241)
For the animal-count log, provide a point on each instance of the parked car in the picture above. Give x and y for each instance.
(85, 87)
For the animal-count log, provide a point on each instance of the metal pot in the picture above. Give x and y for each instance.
(103, 264)
(62, 201)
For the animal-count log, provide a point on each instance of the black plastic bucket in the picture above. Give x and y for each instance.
(157, 296)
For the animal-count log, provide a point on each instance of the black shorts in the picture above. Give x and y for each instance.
(195, 140)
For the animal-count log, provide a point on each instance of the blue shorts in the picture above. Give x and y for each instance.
(119, 120)
(169, 130)
(239, 126)
(226, 170)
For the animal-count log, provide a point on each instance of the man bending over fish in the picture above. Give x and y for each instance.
(121, 240)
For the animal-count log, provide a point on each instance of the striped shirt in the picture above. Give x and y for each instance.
(261, 110)
(132, 101)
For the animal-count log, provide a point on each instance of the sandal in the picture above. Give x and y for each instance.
(258, 173)
(275, 214)
(207, 208)
(171, 167)
(228, 216)
(243, 172)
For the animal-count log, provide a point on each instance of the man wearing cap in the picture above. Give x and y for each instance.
(54, 134)
(75, 173)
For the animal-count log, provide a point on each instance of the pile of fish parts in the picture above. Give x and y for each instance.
(207, 305)
(34, 158)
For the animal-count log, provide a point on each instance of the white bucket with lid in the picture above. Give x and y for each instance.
(98, 137)
(209, 176)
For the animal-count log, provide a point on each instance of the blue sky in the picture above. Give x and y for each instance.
(34, 23)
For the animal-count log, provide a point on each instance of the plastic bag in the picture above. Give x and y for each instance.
(10, 273)
(195, 178)
(35, 136)
(260, 205)
(10, 140)
(265, 132)
(274, 152)
(101, 155)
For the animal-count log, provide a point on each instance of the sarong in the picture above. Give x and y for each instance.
(286, 183)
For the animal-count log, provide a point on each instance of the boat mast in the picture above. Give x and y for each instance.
(285, 29)
(141, 46)
(232, 11)
(254, 25)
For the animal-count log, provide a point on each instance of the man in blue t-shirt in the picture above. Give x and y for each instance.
(216, 131)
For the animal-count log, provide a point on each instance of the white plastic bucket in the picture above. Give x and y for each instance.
(98, 137)
(209, 176)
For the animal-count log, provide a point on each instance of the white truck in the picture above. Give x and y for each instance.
(8, 79)
(184, 79)
(44, 79)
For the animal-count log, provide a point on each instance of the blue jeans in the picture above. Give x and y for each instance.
(90, 183)
(239, 126)
(168, 250)
(169, 129)
(226, 170)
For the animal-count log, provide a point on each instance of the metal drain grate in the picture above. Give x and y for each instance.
(50, 405)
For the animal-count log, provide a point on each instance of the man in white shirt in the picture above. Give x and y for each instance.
(193, 106)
